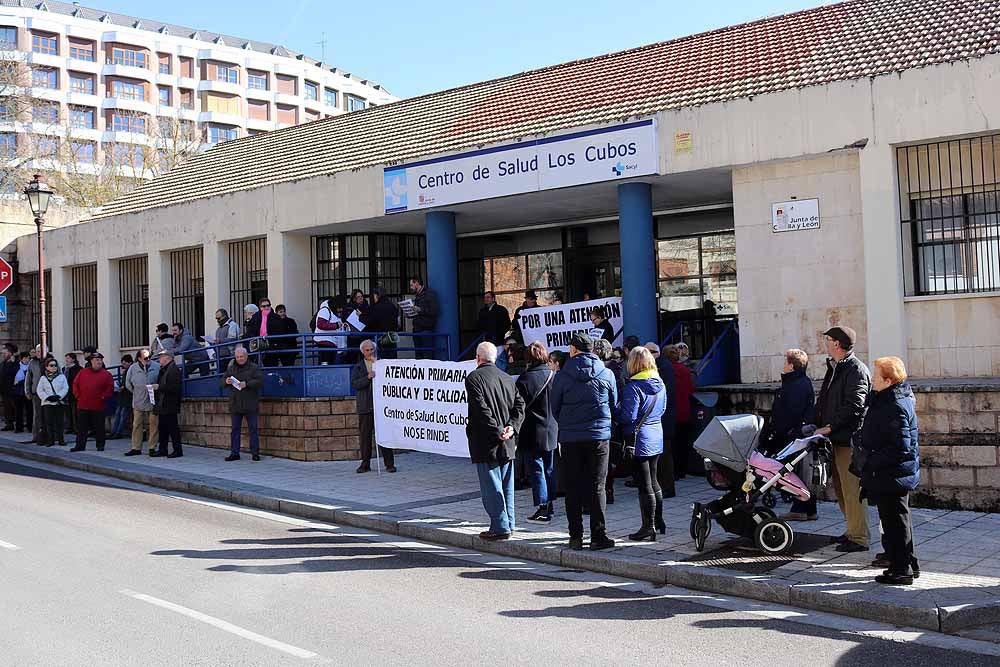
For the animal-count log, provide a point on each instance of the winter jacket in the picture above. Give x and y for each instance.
(539, 432)
(516, 324)
(8, 371)
(168, 391)
(843, 397)
(363, 386)
(244, 401)
(56, 387)
(285, 326)
(888, 443)
(643, 392)
(327, 321)
(162, 342)
(229, 331)
(684, 387)
(607, 331)
(427, 304)
(92, 388)
(494, 404)
(252, 328)
(494, 323)
(71, 372)
(793, 407)
(583, 394)
(350, 308)
(383, 317)
(669, 379)
(190, 349)
(31, 379)
(136, 380)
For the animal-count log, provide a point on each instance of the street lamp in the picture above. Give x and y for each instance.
(38, 194)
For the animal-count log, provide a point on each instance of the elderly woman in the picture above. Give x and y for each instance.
(537, 437)
(642, 405)
(889, 465)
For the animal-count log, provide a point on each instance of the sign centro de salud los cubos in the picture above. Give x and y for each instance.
(559, 161)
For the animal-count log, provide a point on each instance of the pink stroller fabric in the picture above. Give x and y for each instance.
(789, 481)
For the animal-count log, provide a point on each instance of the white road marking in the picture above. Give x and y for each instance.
(223, 625)
(8, 545)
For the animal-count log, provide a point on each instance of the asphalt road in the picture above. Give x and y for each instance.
(95, 574)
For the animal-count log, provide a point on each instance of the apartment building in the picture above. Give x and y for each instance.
(122, 81)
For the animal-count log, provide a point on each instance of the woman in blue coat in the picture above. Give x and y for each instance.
(890, 465)
(643, 402)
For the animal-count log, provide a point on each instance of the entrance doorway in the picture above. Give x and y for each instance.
(593, 271)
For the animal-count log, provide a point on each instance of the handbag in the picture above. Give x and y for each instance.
(258, 345)
(388, 339)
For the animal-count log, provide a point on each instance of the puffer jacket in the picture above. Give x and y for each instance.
(842, 399)
(643, 390)
(888, 443)
(583, 393)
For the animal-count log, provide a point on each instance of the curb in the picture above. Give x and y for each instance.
(948, 619)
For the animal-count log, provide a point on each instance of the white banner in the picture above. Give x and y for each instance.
(555, 325)
(559, 161)
(421, 404)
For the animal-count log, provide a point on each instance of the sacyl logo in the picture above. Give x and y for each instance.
(619, 169)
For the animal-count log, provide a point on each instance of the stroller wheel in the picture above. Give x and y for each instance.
(702, 529)
(769, 500)
(773, 537)
(695, 515)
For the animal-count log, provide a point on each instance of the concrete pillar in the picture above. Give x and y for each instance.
(442, 272)
(289, 274)
(216, 259)
(109, 331)
(638, 257)
(158, 276)
(61, 326)
(883, 258)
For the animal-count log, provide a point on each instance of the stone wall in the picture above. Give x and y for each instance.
(303, 429)
(959, 442)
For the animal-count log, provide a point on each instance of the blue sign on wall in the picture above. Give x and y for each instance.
(3, 309)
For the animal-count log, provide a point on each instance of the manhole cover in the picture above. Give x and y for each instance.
(742, 556)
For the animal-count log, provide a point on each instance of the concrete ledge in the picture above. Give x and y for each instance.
(959, 617)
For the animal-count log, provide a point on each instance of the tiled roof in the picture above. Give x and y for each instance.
(151, 25)
(850, 40)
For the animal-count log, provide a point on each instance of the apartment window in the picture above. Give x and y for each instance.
(128, 57)
(83, 152)
(286, 84)
(164, 61)
(81, 118)
(8, 38)
(330, 97)
(354, 103)
(187, 98)
(311, 115)
(312, 91)
(128, 90)
(164, 93)
(187, 66)
(81, 83)
(255, 133)
(288, 114)
(8, 145)
(218, 133)
(227, 74)
(229, 104)
(125, 155)
(125, 122)
(45, 113)
(84, 302)
(44, 77)
(258, 110)
(46, 147)
(43, 43)
(81, 49)
(256, 80)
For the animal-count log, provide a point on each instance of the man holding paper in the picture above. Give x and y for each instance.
(244, 380)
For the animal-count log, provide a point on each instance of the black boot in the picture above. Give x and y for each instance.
(646, 533)
(660, 526)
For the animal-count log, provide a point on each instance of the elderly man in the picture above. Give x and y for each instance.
(496, 411)
(244, 380)
(362, 375)
(840, 410)
(139, 377)
(92, 388)
(193, 357)
(167, 406)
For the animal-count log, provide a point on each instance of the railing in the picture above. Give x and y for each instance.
(675, 335)
(470, 348)
(721, 364)
(304, 367)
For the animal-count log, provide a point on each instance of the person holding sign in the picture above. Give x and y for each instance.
(362, 376)
(243, 379)
(424, 313)
(602, 328)
(496, 412)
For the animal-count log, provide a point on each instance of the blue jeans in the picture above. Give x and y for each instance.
(541, 476)
(235, 436)
(496, 485)
(120, 424)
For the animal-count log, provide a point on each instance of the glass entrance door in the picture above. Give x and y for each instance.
(593, 272)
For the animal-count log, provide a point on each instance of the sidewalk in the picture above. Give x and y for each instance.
(436, 499)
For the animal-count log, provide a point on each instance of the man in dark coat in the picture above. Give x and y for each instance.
(530, 301)
(286, 327)
(425, 303)
(494, 320)
(8, 371)
(168, 390)
(496, 411)
(362, 375)
(383, 320)
(244, 380)
(840, 412)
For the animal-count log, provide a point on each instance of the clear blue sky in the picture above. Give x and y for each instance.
(420, 46)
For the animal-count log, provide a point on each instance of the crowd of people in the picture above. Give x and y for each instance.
(579, 419)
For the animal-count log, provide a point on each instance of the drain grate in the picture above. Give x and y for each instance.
(741, 555)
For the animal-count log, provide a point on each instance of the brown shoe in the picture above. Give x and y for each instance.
(799, 516)
(493, 537)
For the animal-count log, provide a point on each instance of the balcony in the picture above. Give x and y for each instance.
(133, 38)
(166, 79)
(285, 98)
(112, 68)
(222, 54)
(83, 99)
(222, 118)
(258, 94)
(88, 66)
(139, 106)
(222, 87)
(257, 124)
(44, 59)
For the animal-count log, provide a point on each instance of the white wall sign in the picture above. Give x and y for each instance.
(422, 405)
(559, 161)
(555, 325)
(795, 215)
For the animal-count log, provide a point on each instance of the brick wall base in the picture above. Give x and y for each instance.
(303, 429)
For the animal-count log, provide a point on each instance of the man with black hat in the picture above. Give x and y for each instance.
(840, 411)
(92, 388)
(168, 405)
(582, 396)
(530, 301)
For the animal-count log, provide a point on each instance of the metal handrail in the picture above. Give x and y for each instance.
(475, 341)
(715, 346)
(670, 334)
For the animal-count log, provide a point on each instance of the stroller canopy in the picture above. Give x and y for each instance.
(730, 440)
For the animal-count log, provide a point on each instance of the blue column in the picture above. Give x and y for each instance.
(442, 272)
(638, 254)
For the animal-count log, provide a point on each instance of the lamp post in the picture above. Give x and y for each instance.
(38, 194)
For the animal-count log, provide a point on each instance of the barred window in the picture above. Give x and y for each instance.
(247, 274)
(187, 289)
(36, 311)
(84, 306)
(133, 286)
(362, 261)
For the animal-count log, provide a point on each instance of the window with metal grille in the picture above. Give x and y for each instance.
(950, 213)
(187, 289)
(36, 311)
(363, 261)
(84, 306)
(247, 274)
(133, 287)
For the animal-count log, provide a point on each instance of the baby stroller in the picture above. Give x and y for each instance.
(733, 465)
